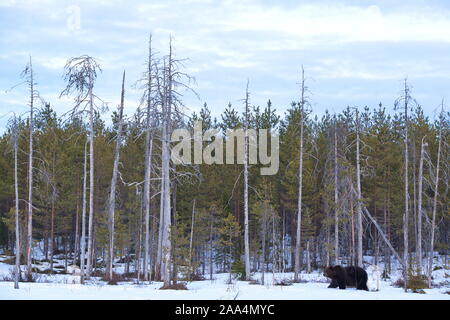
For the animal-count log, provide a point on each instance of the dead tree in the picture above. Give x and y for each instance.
(14, 128)
(28, 74)
(80, 73)
(336, 198)
(436, 193)
(83, 217)
(300, 179)
(359, 228)
(171, 110)
(112, 194)
(148, 99)
(246, 147)
(405, 98)
(419, 205)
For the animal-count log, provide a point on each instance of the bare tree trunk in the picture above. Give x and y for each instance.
(406, 213)
(273, 245)
(137, 266)
(91, 181)
(166, 243)
(16, 193)
(52, 233)
(359, 228)
(353, 246)
(263, 242)
(308, 258)
(191, 238)
(83, 217)
(246, 236)
(148, 165)
(436, 193)
(419, 206)
(283, 242)
(112, 194)
(165, 197)
(158, 263)
(300, 184)
(336, 216)
(30, 176)
(211, 247)
(77, 225)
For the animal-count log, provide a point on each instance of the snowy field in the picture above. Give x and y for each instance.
(315, 287)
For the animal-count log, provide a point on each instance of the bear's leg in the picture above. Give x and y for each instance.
(362, 285)
(333, 284)
(341, 283)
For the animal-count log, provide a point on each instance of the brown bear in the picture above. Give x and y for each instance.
(347, 276)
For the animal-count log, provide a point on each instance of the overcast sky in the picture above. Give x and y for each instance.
(355, 53)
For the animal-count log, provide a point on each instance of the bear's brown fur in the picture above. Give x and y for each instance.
(343, 277)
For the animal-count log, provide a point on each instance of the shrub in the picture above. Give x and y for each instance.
(197, 277)
(238, 270)
(399, 283)
(116, 277)
(12, 260)
(97, 273)
(416, 283)
(175, 286)
(285, 282)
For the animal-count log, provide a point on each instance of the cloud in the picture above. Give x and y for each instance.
(364, 46)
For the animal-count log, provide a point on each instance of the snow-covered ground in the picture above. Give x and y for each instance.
(315, 287)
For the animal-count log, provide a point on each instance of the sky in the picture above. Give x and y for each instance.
(355, 53)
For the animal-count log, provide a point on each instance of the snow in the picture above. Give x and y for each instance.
(313, 287)
(207, 290)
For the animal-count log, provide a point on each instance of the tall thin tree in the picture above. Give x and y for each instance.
(300, 179)
(14, 128)
(359, 228)
(436, 193)
(246, 147)
(112, 194)
(81, 74)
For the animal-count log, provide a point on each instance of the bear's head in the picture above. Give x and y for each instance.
(329, 272)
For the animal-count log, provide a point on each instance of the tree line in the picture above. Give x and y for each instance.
(362, 182)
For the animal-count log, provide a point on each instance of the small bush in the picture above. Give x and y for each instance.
(12, 260)
(416, 283)
(10, 276)
(238, 270)
(175, 286)
(254, 282)
(97, 273)
(33, 277)
(285, 282)
(197, 277)
(116, 277)
(399, 283)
